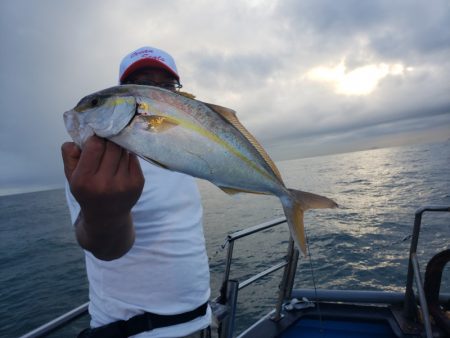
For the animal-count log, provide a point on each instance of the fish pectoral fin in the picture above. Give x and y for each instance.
(158, 124)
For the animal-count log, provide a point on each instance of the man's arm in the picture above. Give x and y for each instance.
(106, 181)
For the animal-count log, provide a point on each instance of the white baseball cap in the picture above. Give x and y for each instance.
(147, 57)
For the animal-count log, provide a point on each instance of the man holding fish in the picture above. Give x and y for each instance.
(144, 243)
(145, 253)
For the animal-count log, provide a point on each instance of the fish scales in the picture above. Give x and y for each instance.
(201, 120)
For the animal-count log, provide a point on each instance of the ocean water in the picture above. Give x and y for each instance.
(363, 244)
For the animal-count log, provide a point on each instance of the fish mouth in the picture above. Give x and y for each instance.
(79, 135)
(68, 116)
(72, 124)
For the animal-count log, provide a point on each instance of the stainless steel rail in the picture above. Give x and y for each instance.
(422, 298)
(266, 272)
(358, 296)
(409, 308)
(231, 238)
(287, 280)
(66, 318)
(56, 323)
(230, 288)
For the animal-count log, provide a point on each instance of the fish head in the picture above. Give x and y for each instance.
(104, 114)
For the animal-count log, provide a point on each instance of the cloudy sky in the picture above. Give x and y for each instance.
(307, 77)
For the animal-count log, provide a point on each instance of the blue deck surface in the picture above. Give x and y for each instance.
(313, 328)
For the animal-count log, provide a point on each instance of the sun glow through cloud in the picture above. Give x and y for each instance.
(359, 81)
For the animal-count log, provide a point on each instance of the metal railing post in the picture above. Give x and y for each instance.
(409, 306)
(226, 276)
(423, 300)
(227, 326)
(410, 300)
(286, 284)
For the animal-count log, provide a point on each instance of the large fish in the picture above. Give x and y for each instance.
(189, 136)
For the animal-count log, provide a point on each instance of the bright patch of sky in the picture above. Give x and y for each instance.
(362, 80)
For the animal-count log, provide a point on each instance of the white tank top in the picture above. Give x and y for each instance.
(166, 271)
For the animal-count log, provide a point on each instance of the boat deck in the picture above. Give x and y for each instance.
(329, 320)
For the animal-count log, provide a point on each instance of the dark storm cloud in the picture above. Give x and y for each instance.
(232, 71)
(394, 28)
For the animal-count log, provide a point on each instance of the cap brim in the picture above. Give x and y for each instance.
(147, 63)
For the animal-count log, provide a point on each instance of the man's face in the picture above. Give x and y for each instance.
(152, 77)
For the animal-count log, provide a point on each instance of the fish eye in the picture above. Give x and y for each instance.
(94, 102)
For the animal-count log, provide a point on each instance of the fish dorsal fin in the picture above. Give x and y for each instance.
(230, 115)
(186, 94)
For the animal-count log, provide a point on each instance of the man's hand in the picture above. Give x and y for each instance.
(106, 181)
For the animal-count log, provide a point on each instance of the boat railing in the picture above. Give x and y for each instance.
(224, 306)
(414, 275)
(230, 287)
(58, 322)
(228, 291)
(230, 240)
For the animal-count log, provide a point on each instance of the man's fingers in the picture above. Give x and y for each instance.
(70, 155)
(111, 159)
(123, 168)
(91, 156)
(135, 170)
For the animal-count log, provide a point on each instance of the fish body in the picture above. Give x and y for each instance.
(189, 136)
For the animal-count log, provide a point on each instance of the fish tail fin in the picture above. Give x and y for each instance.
(295, 203)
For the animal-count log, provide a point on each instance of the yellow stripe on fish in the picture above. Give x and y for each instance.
(160, 123)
